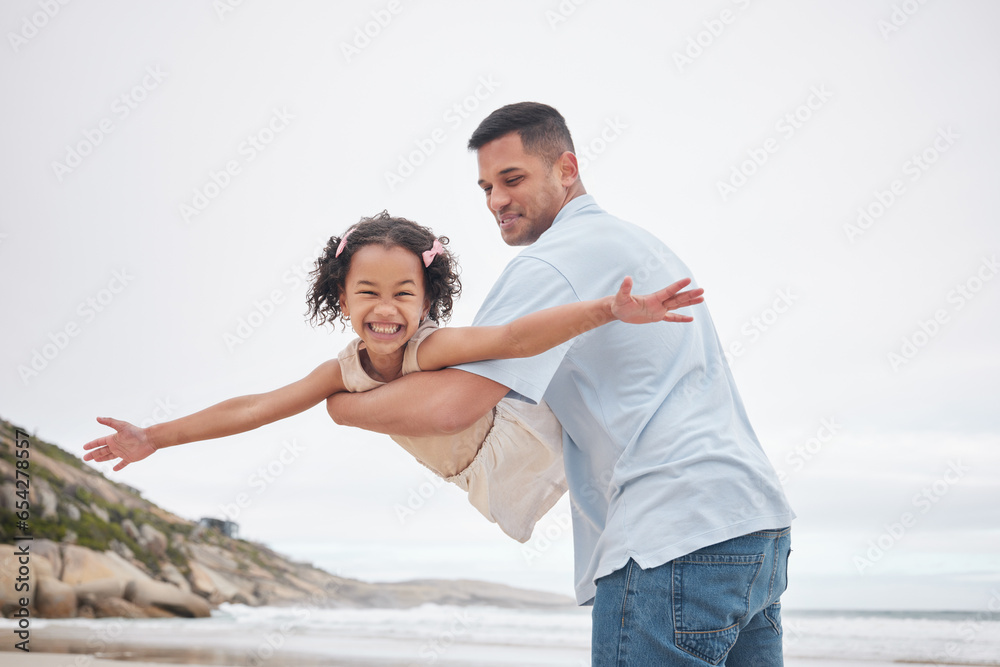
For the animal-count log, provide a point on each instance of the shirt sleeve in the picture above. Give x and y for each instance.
(355, 378)
(527, 285)
(410, 364)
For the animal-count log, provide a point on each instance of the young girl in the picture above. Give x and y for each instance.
(393, 280)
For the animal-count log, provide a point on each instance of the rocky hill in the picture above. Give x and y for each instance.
(98, 549)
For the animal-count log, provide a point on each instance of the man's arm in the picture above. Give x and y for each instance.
(538, 332)
(419, 404)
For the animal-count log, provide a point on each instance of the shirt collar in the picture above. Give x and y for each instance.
(574, 206)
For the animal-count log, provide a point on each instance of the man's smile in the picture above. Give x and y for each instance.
(507, 219)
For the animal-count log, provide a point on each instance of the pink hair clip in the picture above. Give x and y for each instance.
(435, 250)
(343, 242)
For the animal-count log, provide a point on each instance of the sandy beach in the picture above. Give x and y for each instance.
(237, 635)
(19, 659)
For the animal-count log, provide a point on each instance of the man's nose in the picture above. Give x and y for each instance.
(499, 197)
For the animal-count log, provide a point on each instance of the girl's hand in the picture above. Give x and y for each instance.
(129, 443)
(654, 307)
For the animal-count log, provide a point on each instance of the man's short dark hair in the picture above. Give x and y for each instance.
(542, 129)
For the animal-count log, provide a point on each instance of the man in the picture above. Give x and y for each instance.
(680, 524)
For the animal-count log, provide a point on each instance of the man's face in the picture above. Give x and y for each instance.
(523, 193)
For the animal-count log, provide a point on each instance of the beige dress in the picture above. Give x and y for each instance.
(517, 474)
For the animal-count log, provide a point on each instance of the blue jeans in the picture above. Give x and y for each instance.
(715, 606)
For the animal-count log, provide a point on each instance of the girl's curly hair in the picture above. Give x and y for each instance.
(441, 283)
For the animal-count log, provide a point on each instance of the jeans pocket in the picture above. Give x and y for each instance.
(783, 584)
(710, 599)
(773, 616)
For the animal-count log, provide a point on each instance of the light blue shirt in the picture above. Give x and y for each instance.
(660, 456)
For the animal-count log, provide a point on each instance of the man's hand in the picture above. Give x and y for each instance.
(654, 307)
(129, 443)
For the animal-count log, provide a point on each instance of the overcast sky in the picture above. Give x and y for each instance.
(827, 170)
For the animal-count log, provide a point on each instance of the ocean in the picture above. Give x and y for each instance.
(446, 635)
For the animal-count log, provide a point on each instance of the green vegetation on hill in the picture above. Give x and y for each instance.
(87, 524)
(85, 514)
(87, 509)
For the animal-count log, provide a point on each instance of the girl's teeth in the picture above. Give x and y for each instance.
(378, 328)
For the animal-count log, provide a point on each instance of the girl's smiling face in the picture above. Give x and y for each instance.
(384, 297)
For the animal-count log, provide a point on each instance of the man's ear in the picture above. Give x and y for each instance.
(567, 169)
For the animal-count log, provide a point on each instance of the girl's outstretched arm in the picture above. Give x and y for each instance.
(545, 329)
(236, 415)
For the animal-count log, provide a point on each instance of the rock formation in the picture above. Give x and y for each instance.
(99, 549)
